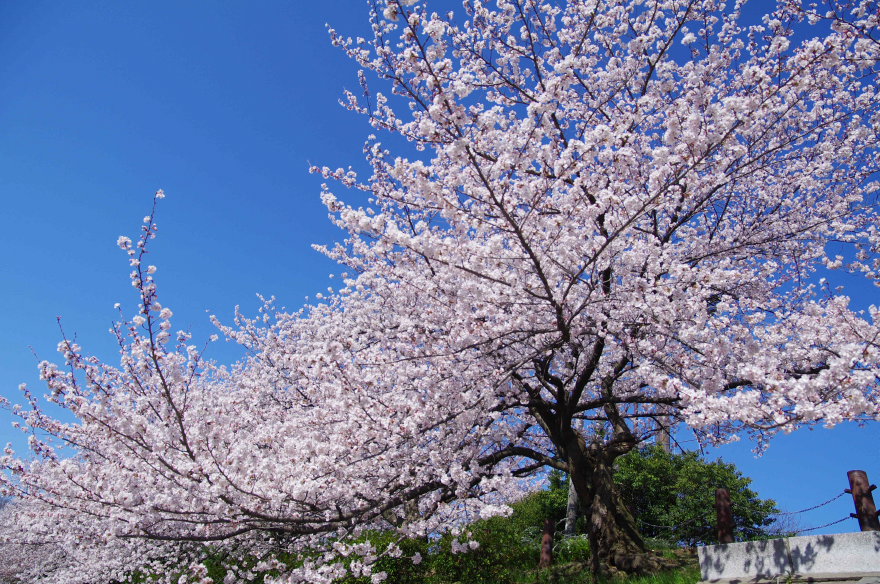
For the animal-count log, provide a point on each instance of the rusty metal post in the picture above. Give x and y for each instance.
(866, 511)
(547, 544)
(725, 516)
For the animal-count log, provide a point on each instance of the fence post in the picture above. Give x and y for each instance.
(724, 515)
(547, 544)
(861, 488)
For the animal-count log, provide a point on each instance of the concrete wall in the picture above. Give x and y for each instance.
(811, 555)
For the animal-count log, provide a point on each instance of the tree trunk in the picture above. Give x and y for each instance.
(615, 542)
(664, 433)
(572, 509)
(619, 543)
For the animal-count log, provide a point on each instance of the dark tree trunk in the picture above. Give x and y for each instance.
(615, 542)
(618, 542)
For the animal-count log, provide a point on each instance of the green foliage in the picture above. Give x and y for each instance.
(508, 545)
(503, 553)
(534, 508)
(572, 549)
(399, 570)
(690, 575)
(678, 490)
(507, 554)
(551, 502)
(579, 574)
(508, 549)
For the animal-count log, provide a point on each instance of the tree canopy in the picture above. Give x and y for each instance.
(611, 216)
(673, 497)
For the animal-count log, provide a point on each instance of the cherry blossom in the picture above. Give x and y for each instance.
(611, 217)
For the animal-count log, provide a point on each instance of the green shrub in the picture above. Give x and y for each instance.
(678, 490)
(572, 549)
(504, 550)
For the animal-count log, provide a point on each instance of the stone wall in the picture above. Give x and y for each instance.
(811, 556)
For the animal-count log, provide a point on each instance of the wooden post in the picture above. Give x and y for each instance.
(866, 511)
(724, 515)
(547, 544)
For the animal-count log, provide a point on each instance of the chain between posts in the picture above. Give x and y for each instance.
(822, 504)
(781, 513)
(832, 499)
(679, 526)
(841, 520)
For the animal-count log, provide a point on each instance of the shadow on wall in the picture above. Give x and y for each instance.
(844, 553)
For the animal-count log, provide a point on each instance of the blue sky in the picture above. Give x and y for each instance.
(223, 105)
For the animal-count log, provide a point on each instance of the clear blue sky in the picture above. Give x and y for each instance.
(223, 105)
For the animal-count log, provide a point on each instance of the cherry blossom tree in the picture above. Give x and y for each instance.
(623, 207)
(605, 216)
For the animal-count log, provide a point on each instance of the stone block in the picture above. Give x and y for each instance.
(811, 555)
